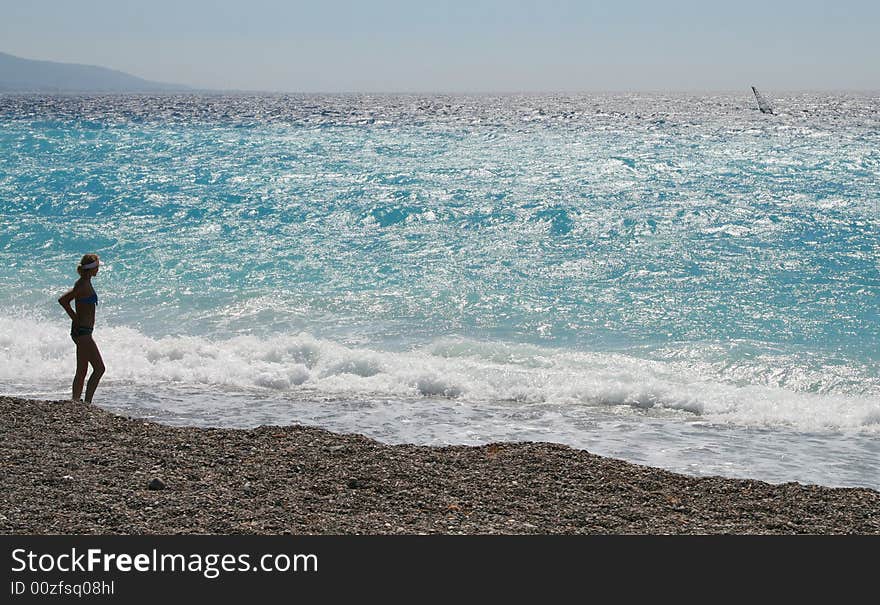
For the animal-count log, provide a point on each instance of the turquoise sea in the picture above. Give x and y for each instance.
(675, 280)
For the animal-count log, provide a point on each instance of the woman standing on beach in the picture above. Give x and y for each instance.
(83, 318)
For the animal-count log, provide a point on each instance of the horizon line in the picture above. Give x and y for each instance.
(240, 91)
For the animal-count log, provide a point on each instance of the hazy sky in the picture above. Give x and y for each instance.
(458, 46)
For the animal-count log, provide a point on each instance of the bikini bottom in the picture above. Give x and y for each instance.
(77, 331)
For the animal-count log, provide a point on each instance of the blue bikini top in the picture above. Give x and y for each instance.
(91, 300)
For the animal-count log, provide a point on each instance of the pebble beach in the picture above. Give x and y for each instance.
(73, 468)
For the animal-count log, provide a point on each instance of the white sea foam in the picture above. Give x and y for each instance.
(40, 354)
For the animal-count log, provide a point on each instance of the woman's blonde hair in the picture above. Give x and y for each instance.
(87, 259)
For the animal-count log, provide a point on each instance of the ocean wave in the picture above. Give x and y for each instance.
(39, 354)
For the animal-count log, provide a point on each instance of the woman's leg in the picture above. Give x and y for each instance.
(82, 366)
(94, 357)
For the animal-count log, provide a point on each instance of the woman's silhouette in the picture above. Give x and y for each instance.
(83, 317)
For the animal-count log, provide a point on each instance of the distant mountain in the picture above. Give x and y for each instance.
(26, 75)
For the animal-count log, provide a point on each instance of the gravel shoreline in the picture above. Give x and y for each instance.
(72, 468)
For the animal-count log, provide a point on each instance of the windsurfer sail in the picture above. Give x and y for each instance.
(763, 104)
